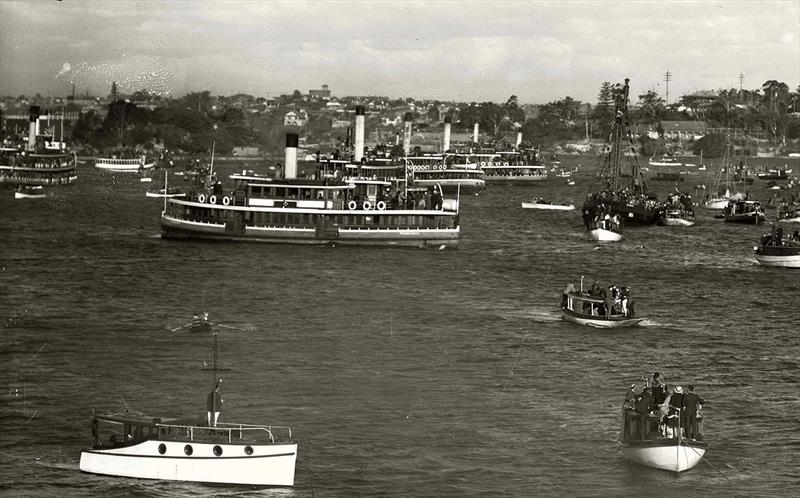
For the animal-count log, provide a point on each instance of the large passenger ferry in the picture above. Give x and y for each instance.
(322, 210)
(118, 165)
(41, 161)
(512, 167)
(452, 172)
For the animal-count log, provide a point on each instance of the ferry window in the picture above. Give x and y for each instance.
(162, 448)
(248, 450)
(217, 450)
(280, 192)
(188, 449)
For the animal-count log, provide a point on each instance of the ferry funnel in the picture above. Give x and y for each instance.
(407, 119)
(290, 159)
(359, 138)
(33, 126)
(447, 125)
(475, 132)
(519, 138)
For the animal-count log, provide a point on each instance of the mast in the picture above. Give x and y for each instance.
(211, 169)
(620, 121)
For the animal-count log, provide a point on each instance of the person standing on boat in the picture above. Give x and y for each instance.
(676, 408)
(214, 405)
(692, 404)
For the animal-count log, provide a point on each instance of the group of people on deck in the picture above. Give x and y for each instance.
(678, 411)
(616, 299)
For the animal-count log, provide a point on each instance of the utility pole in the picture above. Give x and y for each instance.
(667, 77)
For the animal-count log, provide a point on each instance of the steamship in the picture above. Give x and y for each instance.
(452, 172)
(40, 161)
(321, 210)
(512, 167)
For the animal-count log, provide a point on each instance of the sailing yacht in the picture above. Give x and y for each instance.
(631, 202)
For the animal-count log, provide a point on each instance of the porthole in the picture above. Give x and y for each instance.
(248, 450)
(217, 450)
(188, 449)
(162, 448)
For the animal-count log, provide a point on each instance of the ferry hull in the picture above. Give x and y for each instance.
(452, 186)
(53, 180)
(268, 465)
(674, 457)
(174, 228)
(523, 180)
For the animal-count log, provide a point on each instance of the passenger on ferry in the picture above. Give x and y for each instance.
(676, 408)
(692, 403)
(643, 401)
(596, 290)
(567, 290)
(663, 410)
(659, 390)
(630, 398)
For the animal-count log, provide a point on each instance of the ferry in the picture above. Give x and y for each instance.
(777, 250)
(584, 309)
(512, 167)
(115, 165)
(41, 161)
(775, 174)
(325, 211)
(744, 211)
(452, 172)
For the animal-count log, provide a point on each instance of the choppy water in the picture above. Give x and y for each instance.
(401, 372)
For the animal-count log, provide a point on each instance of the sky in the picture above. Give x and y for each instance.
(541, 51)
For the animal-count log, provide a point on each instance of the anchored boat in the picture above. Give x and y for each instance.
(540, 203)
(316, 211)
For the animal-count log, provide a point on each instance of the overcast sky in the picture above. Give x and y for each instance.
(540, 51)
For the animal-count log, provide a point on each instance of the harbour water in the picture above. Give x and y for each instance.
(401, 372)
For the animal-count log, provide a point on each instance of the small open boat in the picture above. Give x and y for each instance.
(540, 203)
(29, 192)
(171, 192)
(592, 309)
(604, 230)
(745, 212)
(642, 442)
(777, 250)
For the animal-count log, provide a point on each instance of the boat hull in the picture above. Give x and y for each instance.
(122, 168)
(748, 218)
(666, 455)
(174, 228)
(784, 261)
(466, 185)
(556, 207)
(601, 322)
(603, 235)
(716, 203)
(268, 465)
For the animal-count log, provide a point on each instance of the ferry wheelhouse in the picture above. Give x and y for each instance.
(186, 450)
(511, 167)
(41, 161)
(452, 172)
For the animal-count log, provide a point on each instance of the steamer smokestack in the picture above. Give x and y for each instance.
(519, 138)
(475, 133)
(290, 159)
(407, 133)
(359, 139)
(447, 125)
(33, 126)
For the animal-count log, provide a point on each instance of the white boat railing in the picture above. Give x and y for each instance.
(200, 431)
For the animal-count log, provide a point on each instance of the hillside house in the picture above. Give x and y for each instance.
(295, 118)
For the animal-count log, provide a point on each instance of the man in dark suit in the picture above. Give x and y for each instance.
(692, 402)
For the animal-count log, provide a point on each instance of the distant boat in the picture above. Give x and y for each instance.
(539, 203)
(745, 212)
(664, 160)
(29, 192)
(775, 174)
(114, 165)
